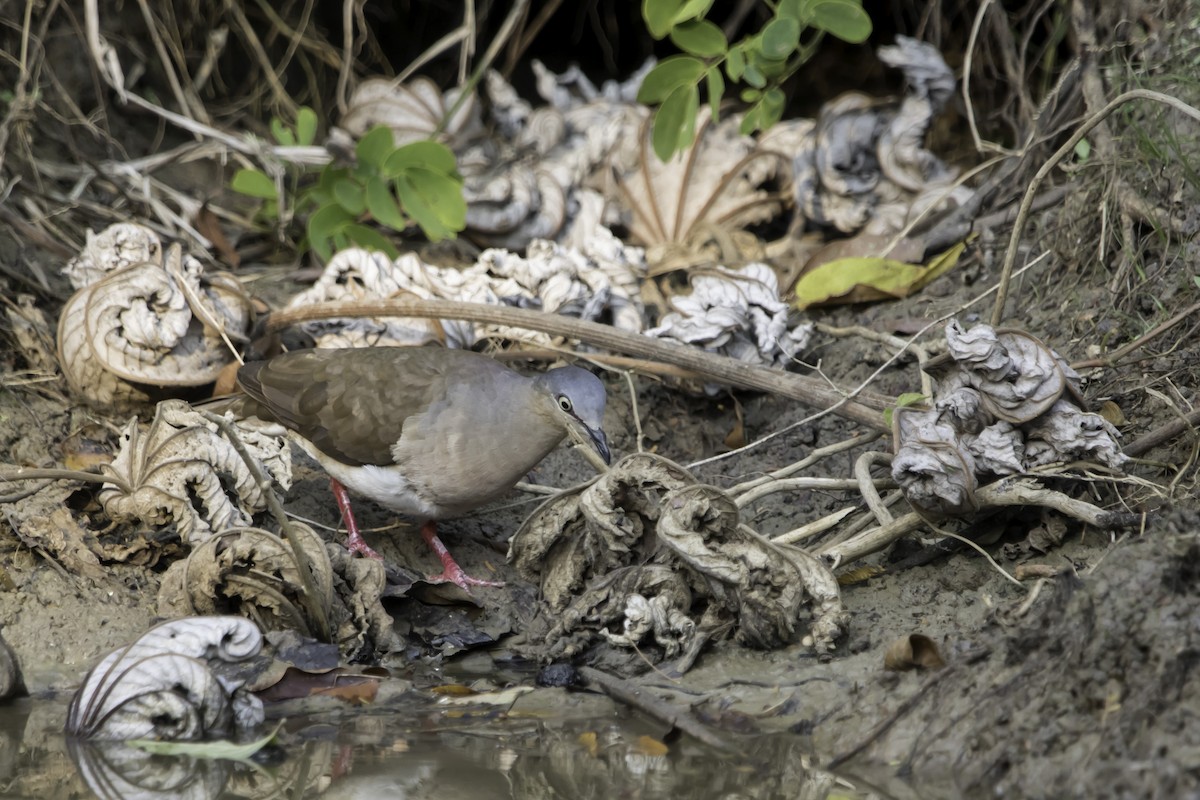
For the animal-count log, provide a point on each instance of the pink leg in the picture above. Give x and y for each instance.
(451, 571)
(354, 542)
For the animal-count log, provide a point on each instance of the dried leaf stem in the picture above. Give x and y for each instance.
(867, 410)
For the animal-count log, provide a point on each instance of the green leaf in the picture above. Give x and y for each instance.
(692, 9)
(751, 95)
(772, 107)
(434, 201)
(735, 64)
(859, 280)
(700, 38)
(209, 750)
(845, 19)
(349, 195)
(780, 38)
(325, 223)
(1083, 149)
(282, 133)
(749, 122)
(375, 146)
(306, 126)
(792, 9)
(716, 88)
(909, 399)
(754, 77)
(668, 75)
(383, 206)
(660, 15)
(254, 183)
(427, 154)
(420, 210)
(370, 239)
(675, 122)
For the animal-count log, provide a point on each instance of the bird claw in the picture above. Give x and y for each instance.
(454, 574)
(356, 545)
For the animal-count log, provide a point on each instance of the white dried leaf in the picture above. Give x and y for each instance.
(153, 324)
(168, 684)
(1005, 404)
(998, 449)
(601, 278)
(933, 470)
(182, 471)
(978, 350)
(1065, 433)
(659, 616)
(736, 313)
(116, 247)
(1017, 376)
(962, 409)
(253, 573)
(412, 110)
(903, 158)
(862, 165)
(765, 589)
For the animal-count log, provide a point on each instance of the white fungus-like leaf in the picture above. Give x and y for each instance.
(168, 684)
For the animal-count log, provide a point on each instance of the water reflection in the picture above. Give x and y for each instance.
(369, 754)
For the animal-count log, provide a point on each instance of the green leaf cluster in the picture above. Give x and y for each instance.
(761, 61)
(387, 185)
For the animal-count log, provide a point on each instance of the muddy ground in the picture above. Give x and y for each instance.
(1083, 684)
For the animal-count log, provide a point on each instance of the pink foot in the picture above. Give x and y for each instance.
(451, 571)
(355, 543)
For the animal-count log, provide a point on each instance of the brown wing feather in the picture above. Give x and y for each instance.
(351, 403)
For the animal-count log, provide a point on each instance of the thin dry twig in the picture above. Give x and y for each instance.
(866, 411)
(1002, 493)
(313, 597)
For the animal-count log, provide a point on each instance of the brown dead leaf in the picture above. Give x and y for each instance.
(358, 690)
(915, 651)
(87, 447)
(1112, 413)
(44, 522)
(208, 226)
(590, 743)
(453, 690)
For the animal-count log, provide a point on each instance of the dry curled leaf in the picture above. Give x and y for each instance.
(252, 573)
(716, 183)
(597, 279)
(736, 313)
(414, 111)
(115, 248)
(644, 557)
(181, 470)
(915, 651)
(147, 326)
(1005, 404)
(862, 164)
(168, 684)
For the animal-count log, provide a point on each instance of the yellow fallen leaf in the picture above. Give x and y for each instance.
(648, 745)
(861, 280)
